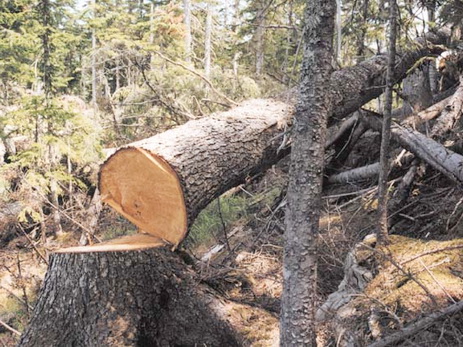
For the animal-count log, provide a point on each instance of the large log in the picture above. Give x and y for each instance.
(187, 167)
(163, 182)
(354, 86)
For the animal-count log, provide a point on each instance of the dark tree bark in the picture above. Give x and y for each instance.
(146, 298)
(305, 179)
(382, 231)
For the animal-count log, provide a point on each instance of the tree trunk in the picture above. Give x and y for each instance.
(259, 37)
(363, 32)
(146, 298)
(382, 231)
(93, 63)
(207, 43)
(354, 86)
(187, 21)
(162, 183)
(338, 57)
(299, 298)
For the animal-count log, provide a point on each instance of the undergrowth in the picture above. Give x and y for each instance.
(210, 224)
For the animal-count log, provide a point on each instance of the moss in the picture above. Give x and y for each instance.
(436, 265)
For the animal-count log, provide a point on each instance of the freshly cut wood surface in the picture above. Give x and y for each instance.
(125, 243)
(162, 183)
(142, 187)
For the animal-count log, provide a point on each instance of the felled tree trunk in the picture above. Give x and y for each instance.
(146, 298)
(162, 183)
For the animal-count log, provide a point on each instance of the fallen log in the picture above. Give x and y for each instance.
(449, 110)
(428, 150)
(354, 86)
(162, 183)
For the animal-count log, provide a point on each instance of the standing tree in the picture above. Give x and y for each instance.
(386, 129)
(188, 38)
(305, 178)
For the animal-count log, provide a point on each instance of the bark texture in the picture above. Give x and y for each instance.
(382, 229)
(209, 156)
(146, 298)
(354, 86)
(305, 179)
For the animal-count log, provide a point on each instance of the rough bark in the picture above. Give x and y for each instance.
(205, 158)
(299, 298)
(146, 298)
(382, 228)
(354, 86)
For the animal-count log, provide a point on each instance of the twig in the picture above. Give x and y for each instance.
(223, 226)
(32, 244)
(13, 330)
(437, 282)
(450, 248)
(417, 326)
(452, 214)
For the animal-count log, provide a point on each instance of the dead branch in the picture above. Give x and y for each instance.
(417, 326)
(357, 174)
(428, 114)
(440, 158)
(347, 125)
(450, 114)
(6, 326)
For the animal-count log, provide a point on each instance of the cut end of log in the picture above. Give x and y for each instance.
(125, 243)
(142, 187)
